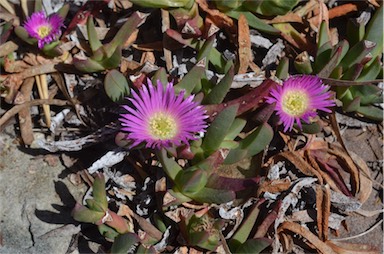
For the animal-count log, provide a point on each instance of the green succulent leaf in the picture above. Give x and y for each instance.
(329, 67)
(178, 197)
(303, 64)
(191, 181)
(38, 6)
(323, 34)
(246, 227)
(134, 21)
(282, 68)
(94, 205)
(374, 33)
(254, 22)
(372, 71)
(213, 196)
(99, 193)
(84, 214)
(235, 129)
(162, 3)
(369, 94)
(192, 78)
(6, 30)
(371, 112)
(63, 11)
(252, 144)
(159, 223)
(311, 128)
(87, 65)
(225, 5)
(51, 49)
(160, 74)
(357, 53)
(146, 250)
(218, 92)
(271, 7)
(125, 243)
(204, 240)
(219, 129)
(112, 61)
(206, 49)
(353, 72)
(353, 105)
(116, 85)
(170, 166)
(94, 41)
(254, 246)
(323, 56)
(355, 31)
(23, 34)
(107, 232)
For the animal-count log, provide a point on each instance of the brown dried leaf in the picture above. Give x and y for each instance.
(244, 40)
(286, 241)
(12, 66)
(128, 66)
(25, 119)
(300, 164)
(319, 210)
(274, 186)
(374, 3)
(365, 178)
(16, 109)
(326, 207)
(313, 239)
(148, 227)
(124, 210)
(351, 248)
(349, 166)
(220, 19)
(289, 17)
(148, 57)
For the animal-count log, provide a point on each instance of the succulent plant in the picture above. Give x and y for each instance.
(109, 223)
(356, 62)
(107, 56)
(43, 31)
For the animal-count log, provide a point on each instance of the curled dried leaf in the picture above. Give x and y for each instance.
(305, 233)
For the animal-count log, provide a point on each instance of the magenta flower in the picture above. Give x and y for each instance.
(44, 29)
(159, 118)
(298, 99)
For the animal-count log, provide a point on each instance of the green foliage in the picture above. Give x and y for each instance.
(203, 232)
(107, 56)
(116, 85)
(191, 181)
(254, 143)
(218, 130)
(192, 79)
(263, 7)
(254, 21)
(352, 64)
(163, 3)
(125, 243)
(254, 246)
(245, 229)
(219, 91)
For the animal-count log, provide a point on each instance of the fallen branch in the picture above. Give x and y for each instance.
(16, 109)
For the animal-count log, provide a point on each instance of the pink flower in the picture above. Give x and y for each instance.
(44, 29)
(159, 118)
(299, 98)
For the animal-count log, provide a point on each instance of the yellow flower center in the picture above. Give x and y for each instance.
(162, 126)
(295, 103)
(44, 31)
